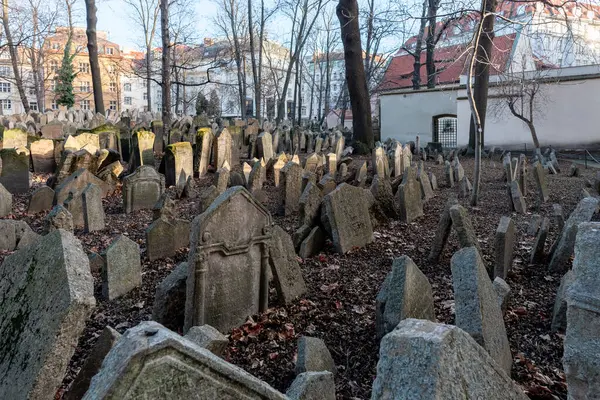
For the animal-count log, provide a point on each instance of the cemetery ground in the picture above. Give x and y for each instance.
(339, 306)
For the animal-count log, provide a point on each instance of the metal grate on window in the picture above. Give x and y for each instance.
(445, 131)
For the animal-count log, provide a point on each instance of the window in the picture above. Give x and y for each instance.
(54, 106)
(112, 86)
(6, 104)
(145, 95)
(53, 66)
(54, 84)
(110, 51)
(5, 87)
(4, 70)
(127, 101)
(55, 46)
(127, 87)
(249, 107)
(33, 105)
(84, 104)
(145, 83)
(112, 105)
(111, 69)
(303, 110)
(31, 91)
(84, 68)
(84, 86)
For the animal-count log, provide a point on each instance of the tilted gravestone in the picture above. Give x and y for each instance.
(582, 348)
(75, 183)
(93, 212)
(165, 236)
(424, 360)
(42, 156)
(408, 197)
(58, 218)
(223, 149)
(265, 146)
(228, 266)
(476, 303)
(143, 150)
(537, 252)
(405, 293)
(178, 164)
(442, 232)
(461, 223)
(169, 299)
(504, 244)
(123, 269)
(204, 145)
(150, 361)
(291, 186)
(381, 188)
(142, 189)
(6, 201)
(221, 179)
(378, 160)
(345, 213)
(518, 200)
(540, 180)
(287, 275)
(566, 242)
(15, 170)
(47, 295)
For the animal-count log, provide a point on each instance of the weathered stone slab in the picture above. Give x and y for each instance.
(15, 170)
(346, 212)
(582, 347)
(228, 273)
(142, 189)
(284, 265)
(169, 299)
(540, 180)
(442, 232)
(42, 156)
(223, 148)
(204, 146)
(426, 187)
(40, 200)
(123, 269)
(310, 204)
(93, 212)
(221, 179)
(504, 245)
(312, 386)
(164, 237)
(291, 184)
(209, 338)
(517, 198)
(149, 361)
(566, 242)
(537, 252)
(58, 218)
(476, 303)
(51, 275)
(178, 164)
(313, 243)
(381, 188)
(559, 313)
(461, 222)
(424, 360)
(449, 175)
(75, 183)
(408, 197)
(6, 201)
(143, 150)
(502, 291)
(13, 138)
(313, 356)
(265, 146)
(405, 293)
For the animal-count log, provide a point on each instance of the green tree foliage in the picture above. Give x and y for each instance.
(66, 76)
(214, 104)
(201, 104)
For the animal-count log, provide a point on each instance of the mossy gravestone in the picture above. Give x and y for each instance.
(46, 295)
(178, 164)
(15, 170)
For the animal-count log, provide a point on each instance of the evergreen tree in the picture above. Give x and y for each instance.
(66, 76)
(201, 104)
(214, 104)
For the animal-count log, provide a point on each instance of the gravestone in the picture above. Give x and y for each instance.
(223, 149)
(123, 269)
(165, 236)
(537, 252)
(312, 163)
(517, 198)
(13, 138)
(42, 156)
(221, 179)
(265, 146)
(504, 244)
(461, 222)
(476, 303)
(228, 266)
(6, 201)
(361, 175)
(581, 346)
(502, 291)
(332, 164)
(142, 189)
(566, 242)
(152, 362)
(381, 188)
(559, 312)
(53, 130)
(208, 338)
(442, 232)
(540, 180)
(279, 164)
(143, 149)
(398, 166)
(93, 212)
(378, 160)
(449, 175)
(291, 184)
(75, 183)
(178, 164)
(424, 360)
(408, 197)
(405, 293)
(169, 299)
(47, 294)
(310, 204)
(346, 214)
(425, 184)
(557, 216)
(204, 146)
(313, 356)
(287, 275)
(313, 243)
(58, 218)
(15, 170)
(312, 386)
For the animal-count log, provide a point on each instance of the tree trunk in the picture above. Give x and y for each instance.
(416, 80)
(166, 64)
(38, 79)
(90, 9)
(430, 43)
(347, 12)
(483, 53)
(149, 77)
(14, 56)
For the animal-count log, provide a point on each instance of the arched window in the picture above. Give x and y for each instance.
(444, 130)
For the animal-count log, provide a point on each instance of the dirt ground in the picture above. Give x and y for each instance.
(339, 306)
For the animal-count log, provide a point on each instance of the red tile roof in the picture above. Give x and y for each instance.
(450, 64)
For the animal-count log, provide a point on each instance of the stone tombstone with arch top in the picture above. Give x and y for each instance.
(142, 189)
(228, 276)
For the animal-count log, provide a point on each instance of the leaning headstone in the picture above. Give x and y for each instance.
(345, 211)
(424, 360)
(93, 212)
(361, 174)
(213, 297)
(143, 150)
(204, 145)
(558, 217)
(287, 275)
(223, 149)
(537, 251)
(265, 146)
(178, 164)
(47, 294)
(142, 189)
(75, 184)
(169, 299)
(566, 242)
(313, 243)
(222, 179)
(517, 198)
(408, 197)
(503, 291)
(540, 180)
(504, 244)
(291, 184)
(13, 138)
(150, 361)
(42, 156)
(107, 339)
(312, 386)
(6, 201)
(449, 175)
(461, 222)
(559, 312)
(442, 232)
(582, 348)
(476, 303)
(14, 175)
(381, 188)
(123, 270)
(426, 187)
(406, 293)
(209, 338)
(313, 356)
(378, 160)
(165, 236)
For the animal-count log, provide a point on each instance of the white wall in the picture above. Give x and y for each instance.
(406, 114)
(567, 115)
